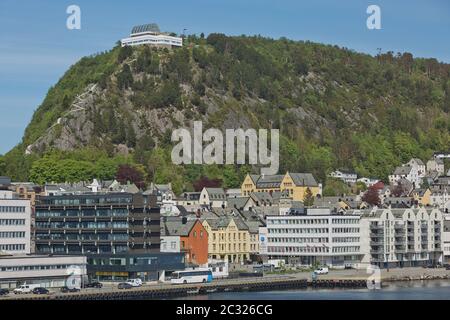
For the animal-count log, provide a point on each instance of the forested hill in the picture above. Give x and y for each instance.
(335, 108)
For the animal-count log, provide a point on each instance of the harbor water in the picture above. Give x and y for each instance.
(410, 290)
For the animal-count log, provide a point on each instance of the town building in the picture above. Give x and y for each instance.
(401, 237)
(422, 196)
(344, 175)
(294, 184)
(405, 172)
(149, 34)
(192, 239)
(436, 165)
(97, 223)
(213, 197)
(418, 166)
(316, 237)
(446, 239)
(383, 237)
(111, 229)
(15, 223)
(369, 182)
(43, 270)
(189, 199)
(228, 239)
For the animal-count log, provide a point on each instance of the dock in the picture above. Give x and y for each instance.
(168, 291)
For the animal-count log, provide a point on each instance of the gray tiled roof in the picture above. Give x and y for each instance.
(403, 170)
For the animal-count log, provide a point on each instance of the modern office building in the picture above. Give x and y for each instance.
(15, 224)
(46, 271)
(112, 229)
(106, 223)
(382, 237)
(151, 35)
(316, 237)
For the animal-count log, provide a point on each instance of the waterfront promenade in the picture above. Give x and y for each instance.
(299, 280)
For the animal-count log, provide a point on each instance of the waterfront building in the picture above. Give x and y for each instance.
(316, 237)
(446, 239)
(229, 239)
(188, 235)
(294, 184)
(132, 265)
(106, 226)
(43, 270)
(402, 237)
(150, 34)
(15, 223)
(384, 237)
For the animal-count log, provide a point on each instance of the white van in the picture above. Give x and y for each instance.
(134, 282)
(25, 288)
(322, 270)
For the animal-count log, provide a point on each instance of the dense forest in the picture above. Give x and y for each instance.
(335, 108)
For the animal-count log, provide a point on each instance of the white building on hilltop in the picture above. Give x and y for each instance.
(150, 34)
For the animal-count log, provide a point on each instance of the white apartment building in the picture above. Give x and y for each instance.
(15, 224)
(309, 239)
(383, 237)
(446, 238)
(401, 237)
(151, 35)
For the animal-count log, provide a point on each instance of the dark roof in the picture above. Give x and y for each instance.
(304, 179)
(175, 227)
(6, 181)
(151, 27)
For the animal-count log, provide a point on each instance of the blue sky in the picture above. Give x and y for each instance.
(36, 48)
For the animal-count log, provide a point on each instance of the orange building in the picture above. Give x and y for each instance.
(193, 238)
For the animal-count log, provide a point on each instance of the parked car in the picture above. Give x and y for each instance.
(40, 291)
(4, 292)
(349, 266)
(134, 282)
(69, 290)
(321, 270)
(96, 284)
(447, 267)
(124, 285)
(25, 288)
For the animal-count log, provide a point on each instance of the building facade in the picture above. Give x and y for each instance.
(97, 223)
(229, 239)
(15, 224)
(312, 239)
(45, 271)
(150, 34)
(293, 184)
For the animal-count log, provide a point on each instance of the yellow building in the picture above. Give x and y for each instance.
(295, 184)
(422, 196)
(228, 239)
